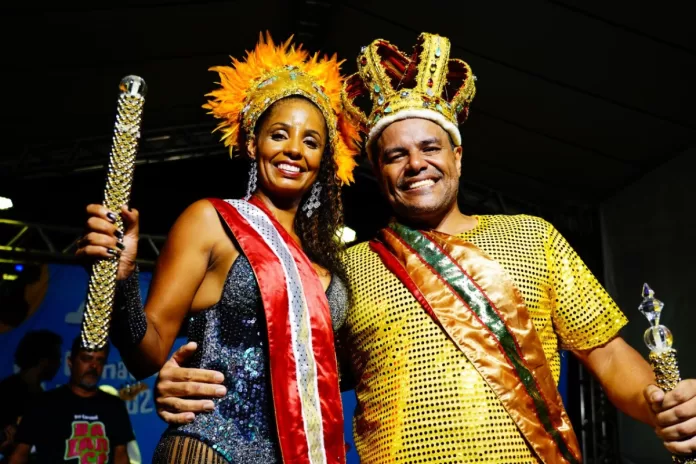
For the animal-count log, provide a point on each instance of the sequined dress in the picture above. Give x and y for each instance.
(232, 339)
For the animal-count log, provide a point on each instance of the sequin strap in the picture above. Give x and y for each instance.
(476, 303)
(304, 372)
(129, 322)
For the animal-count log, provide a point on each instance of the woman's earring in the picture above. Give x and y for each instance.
(313, 200)
(253, 175)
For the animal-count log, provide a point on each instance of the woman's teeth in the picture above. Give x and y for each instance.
(288, 167)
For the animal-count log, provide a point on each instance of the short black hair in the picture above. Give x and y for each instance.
(77, 347)
(35, 346)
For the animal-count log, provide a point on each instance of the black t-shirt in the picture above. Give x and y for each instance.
(15, 398)
(65, 427)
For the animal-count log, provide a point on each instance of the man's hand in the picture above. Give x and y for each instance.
(20, 454)
(675, 416)
(8, 438)
(176, 386)
(121, 455)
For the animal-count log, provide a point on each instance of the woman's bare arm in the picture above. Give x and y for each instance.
(181, 267)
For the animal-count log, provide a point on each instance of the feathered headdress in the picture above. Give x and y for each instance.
(271, 72)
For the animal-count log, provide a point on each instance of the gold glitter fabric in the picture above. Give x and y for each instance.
(419, 398)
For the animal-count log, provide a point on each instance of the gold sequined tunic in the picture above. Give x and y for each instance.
(419, 399)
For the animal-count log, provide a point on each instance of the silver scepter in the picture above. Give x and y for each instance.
(663, 358)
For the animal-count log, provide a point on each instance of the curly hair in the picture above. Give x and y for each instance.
(319, 233)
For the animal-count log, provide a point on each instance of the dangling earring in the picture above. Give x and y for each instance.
(313, 200)
(253, 174)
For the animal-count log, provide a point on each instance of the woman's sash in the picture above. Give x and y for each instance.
(476, 303)
(304, 372)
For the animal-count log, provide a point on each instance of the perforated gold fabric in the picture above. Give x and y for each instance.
(419, 399)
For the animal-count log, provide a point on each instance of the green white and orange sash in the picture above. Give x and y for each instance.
(304, 371)
(471, 297)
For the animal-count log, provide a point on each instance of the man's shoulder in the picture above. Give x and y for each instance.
(525, 220)
(61, 392)
(56, 391)
(359, 249)
(519, 226)
(359, 254)
(47, 402)
(362, 263)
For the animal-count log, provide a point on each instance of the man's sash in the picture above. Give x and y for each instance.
(304, 372)
(476, 303)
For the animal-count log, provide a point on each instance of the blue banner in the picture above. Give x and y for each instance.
(61, 294)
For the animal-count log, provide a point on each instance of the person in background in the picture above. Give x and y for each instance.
(77, 420)
(38, 358)
(134, 456)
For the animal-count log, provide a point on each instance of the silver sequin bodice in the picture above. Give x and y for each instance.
(232, 339)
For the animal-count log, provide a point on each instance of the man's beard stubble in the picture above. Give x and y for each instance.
(87, 385)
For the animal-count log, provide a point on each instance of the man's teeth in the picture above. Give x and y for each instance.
(288, 167)
(421, 183)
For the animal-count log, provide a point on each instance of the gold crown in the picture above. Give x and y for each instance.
(427, 84)
(270, 73)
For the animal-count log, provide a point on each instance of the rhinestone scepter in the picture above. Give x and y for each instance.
(663, 358)
(119, 179)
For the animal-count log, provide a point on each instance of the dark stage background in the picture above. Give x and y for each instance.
(648, 231)
(583, 116)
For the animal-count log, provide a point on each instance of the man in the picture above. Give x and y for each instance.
(77, 421)
(457, 320)
(132, 447)
(38, 358)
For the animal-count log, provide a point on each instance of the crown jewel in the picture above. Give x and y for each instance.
(427, 84)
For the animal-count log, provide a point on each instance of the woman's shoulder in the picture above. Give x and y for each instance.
(202, 210)
(199, 219)
(200, 213)
(198, 229)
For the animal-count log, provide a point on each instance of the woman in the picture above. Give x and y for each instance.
(254, 276)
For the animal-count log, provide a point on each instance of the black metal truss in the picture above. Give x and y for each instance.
(92, 153)
(598, 432)
(22, 242)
